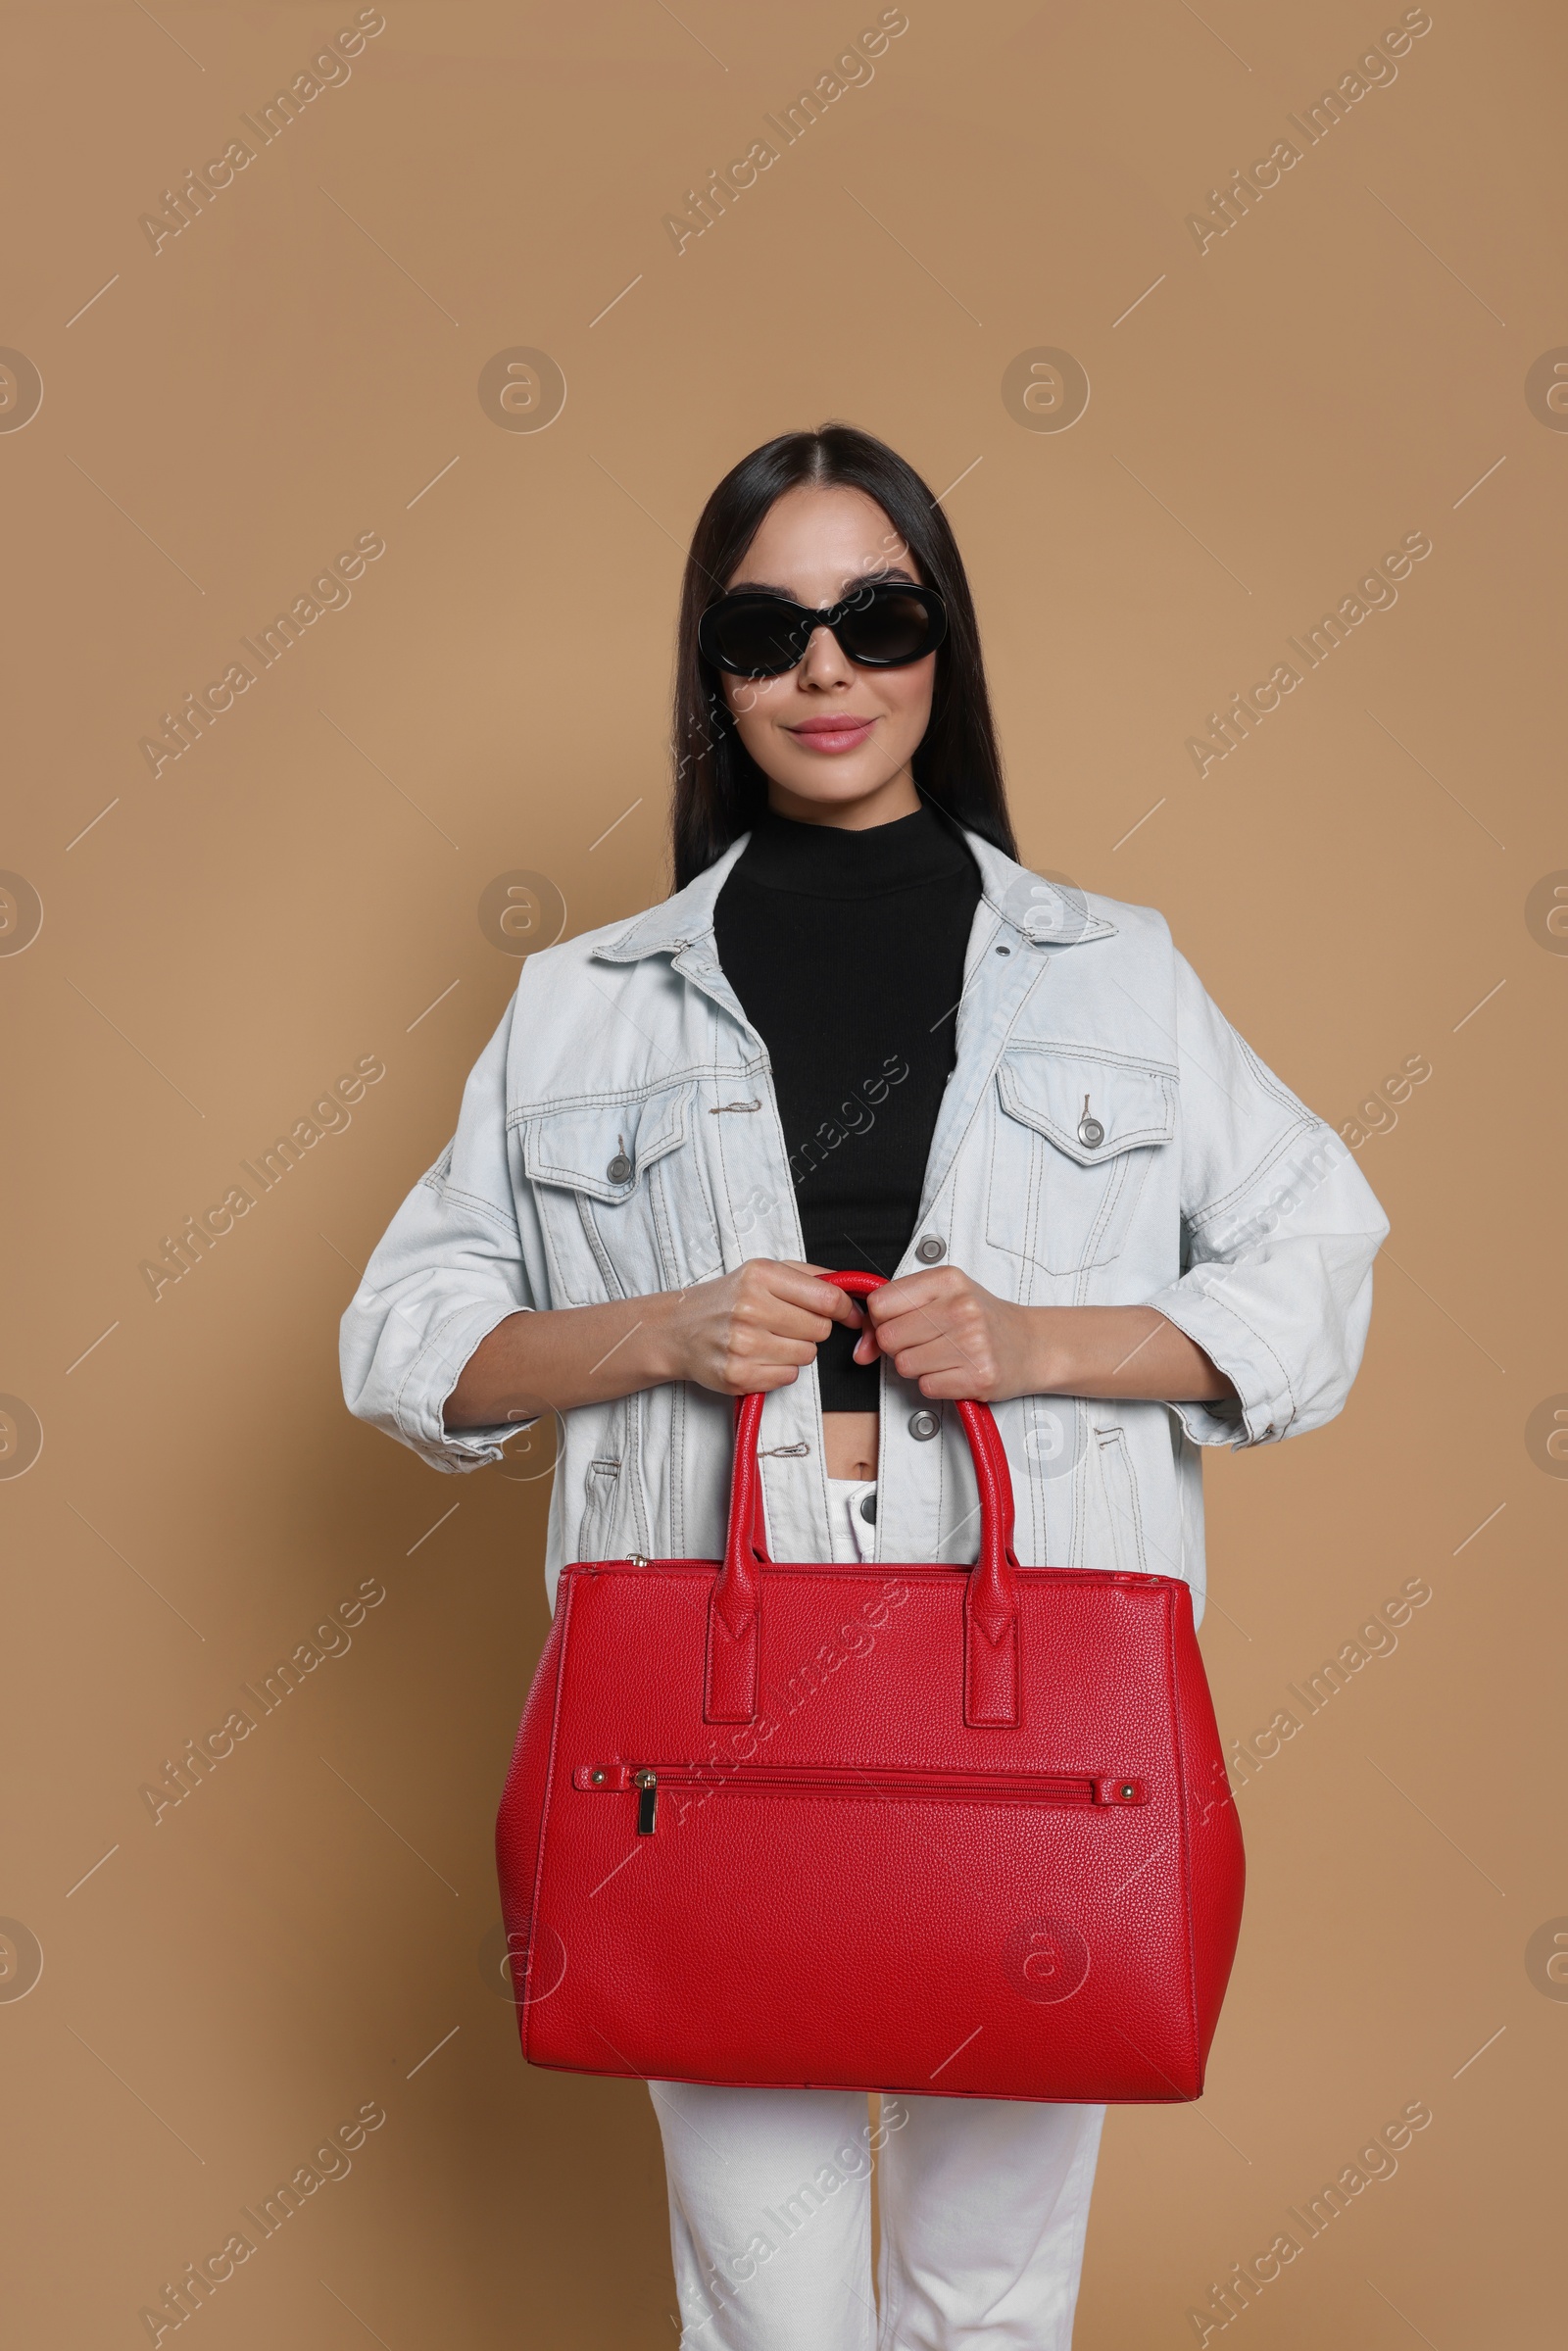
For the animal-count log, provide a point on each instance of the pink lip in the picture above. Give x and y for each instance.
(832, 735)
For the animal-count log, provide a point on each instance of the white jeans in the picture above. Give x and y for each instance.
(984, 2202)
(852, 1530)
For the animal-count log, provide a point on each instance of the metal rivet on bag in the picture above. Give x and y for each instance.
(930, 1251)
(598, 1779)
(619, 1167)
(1091, 1134)
(1127, 1792)
(923, 1425)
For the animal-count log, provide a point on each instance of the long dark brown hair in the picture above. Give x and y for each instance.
(719, 789)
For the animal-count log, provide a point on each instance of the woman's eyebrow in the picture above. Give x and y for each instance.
(896, 571)
(873, 571)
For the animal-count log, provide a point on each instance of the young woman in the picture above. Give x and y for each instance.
(861, 1034)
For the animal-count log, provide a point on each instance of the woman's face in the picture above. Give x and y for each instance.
(834, 741)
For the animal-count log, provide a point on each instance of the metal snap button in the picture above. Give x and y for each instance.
(1003, 951)
(868, 1508)
(620, 1168)
(923, 1425)
(1091, 1134)
(931, 1251)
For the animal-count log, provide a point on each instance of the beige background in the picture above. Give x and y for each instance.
(300, 889)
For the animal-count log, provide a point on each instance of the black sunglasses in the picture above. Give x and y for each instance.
(883, 624)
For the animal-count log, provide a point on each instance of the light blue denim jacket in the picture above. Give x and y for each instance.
(1106, 1139)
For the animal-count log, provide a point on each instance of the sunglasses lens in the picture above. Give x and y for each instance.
(761, 636)
(888, 629)
(755, 639)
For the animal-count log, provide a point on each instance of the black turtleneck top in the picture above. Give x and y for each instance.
(846, 953)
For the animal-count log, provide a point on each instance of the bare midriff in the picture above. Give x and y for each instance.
(849, 1444)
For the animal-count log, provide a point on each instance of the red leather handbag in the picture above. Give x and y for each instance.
(965, 1831)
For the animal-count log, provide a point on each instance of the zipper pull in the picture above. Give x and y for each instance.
(647, 1785)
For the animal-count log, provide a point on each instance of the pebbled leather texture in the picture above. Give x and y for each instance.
(806, 1900)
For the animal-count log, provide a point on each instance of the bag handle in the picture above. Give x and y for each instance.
(991, 1601)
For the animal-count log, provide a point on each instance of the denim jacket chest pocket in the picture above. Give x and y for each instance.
(621, 1202)
(1073, 1138)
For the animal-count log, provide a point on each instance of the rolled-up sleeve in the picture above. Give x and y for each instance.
(1279, 1232)
(452, 1264)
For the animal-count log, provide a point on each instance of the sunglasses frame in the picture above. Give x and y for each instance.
(806, 620)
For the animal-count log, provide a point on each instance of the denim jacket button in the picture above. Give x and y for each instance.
(930, 1251)
(620, 1168)
(1091, 1134)
(923, 1425)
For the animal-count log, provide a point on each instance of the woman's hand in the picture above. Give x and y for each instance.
(942, 1330)
(751, 1329)
(955, 1339)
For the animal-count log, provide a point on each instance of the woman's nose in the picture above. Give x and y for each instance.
(824, 662)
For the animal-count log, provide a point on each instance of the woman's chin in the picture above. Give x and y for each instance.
(834, 784)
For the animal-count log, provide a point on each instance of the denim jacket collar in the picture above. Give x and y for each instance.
(1047, 914)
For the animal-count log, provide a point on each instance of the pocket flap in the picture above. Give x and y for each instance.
(602, 1148)
(1090, 1106)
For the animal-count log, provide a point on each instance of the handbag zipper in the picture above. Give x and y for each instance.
(647, 1801)
(791, 1778)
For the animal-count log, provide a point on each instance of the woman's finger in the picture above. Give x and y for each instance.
(909, 1293)
(843, 1309)
(770, 1350)
(916, 1361)
(776, 1316)
(762, 1380)
(942, 1385)
(910, 1331)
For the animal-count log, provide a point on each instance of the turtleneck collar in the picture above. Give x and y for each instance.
(827, 860)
